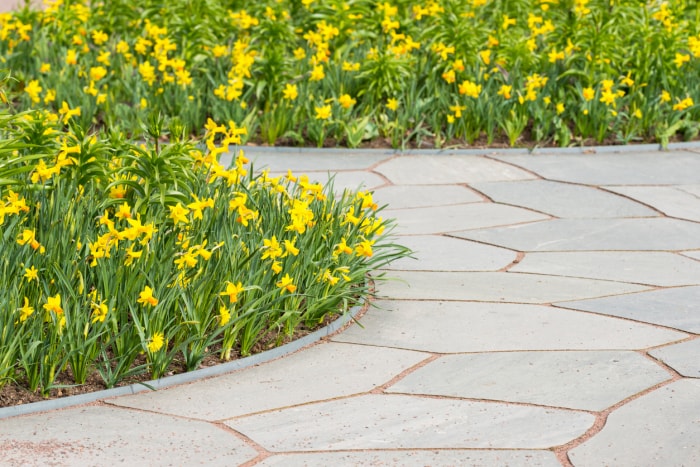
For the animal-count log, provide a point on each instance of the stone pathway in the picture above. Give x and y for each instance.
(551, 317)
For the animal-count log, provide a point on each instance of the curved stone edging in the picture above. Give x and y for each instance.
(188, 377)
(623, 148)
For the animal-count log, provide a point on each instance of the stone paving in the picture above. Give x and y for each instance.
(550, 317)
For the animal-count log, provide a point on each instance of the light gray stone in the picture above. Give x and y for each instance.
(406, 422)
(441, 253)
(593, 234)
(496, 287)
(421, 196)
(444, 219)
(670, 200)
(659, 428)
(563, 200)
(650, 168)
(452, 327)
(677, 308)
(353, 180)
(652, 268)
(692, 254)
(310, 160)
(429, 170)
(435, 458)
(97, 435)
(586, 380)
(683, 357)
(692, 189)
(337, 370)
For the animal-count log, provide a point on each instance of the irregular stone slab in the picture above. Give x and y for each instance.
(448, 170)
(563, 199)
(496, 287)
(683, 357)
(335, 369)
(654, 268)
(309, 159)
(473, 457)
(441, 253)
(421, 196)
(593, 234)
(452, 327)
(406, 422)
(98, 435)
(353, 180)
(651, 168)
(692, 254)
(576, 380)
(443, 219)
(660, 428)
(669, 200)
(692, 189)
(677, 308)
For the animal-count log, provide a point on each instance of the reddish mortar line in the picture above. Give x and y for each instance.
(381, 388)
(601, 419)
(519, 256)
(262, 452)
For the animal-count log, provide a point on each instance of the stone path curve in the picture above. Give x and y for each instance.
(551, 317)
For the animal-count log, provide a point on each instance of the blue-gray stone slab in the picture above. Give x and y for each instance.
(654, 268)
(645, 168)
(444, 219)
(661, 428)
(677, 308)
(450, 170)
(309, 161)
(510, 287)
(421, 196)
(408, 422)
(433, 457)
(585, 380)
(563, 200)
(593, 234)
(441, 253)
(683, 357)
(672, 201)
(455, 327)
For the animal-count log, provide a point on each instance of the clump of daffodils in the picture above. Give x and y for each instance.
(117, 251)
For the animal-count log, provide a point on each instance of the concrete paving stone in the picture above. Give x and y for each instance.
(683, 357)
(653, 268)
(98, 435)
(563, 200)
(351, 180)
(449, 170)
(441, 253)
(435, 458)
(644, 168)
(677, 308)
(421, 196)
(444, 219)
(455, 327)
(510, 287)
(337, 369)
(692, 189)
(593, 234)
(308, 161)
(695, 254)
(672, 201)
(407, 422)
(661, 428)
(585, 380)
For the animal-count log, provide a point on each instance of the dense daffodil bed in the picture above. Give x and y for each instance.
(120, 257)
(342, 72)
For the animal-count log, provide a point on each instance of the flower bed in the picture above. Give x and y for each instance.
(345, 72)
(121, 258)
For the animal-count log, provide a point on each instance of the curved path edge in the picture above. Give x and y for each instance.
(182, 378)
